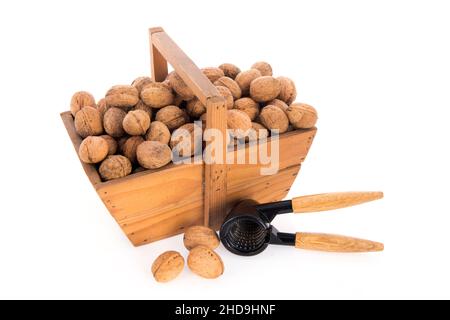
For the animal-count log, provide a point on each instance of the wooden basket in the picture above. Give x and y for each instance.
(156, 204)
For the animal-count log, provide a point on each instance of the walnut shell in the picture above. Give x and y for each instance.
(226, 94)
(140, 82)
(230, 70)
(263, 67)
(93, 150)
(231, 85)
(167, 266)
(205, 263)
(80, 100)
(130, 146)
(249, 106)
(302, 116)
(265, 89)
(142, 106)
(102, 107)
(136, 123)
(88, 122)
(187, 140)
(273, 118)
(195, 108)
(288, 91)
(153, 154)
(112, 144)
(157, 95)
(238, 123)
(200, 235)
(158, 132)
(121, 142)
(213, 74)
(278, 103)
(180, 87)
(245, 78)
(112, 121)
(115, 167)
(122, 96)
(172, 116)
(257, 132)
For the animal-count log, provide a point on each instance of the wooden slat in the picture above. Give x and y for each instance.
(90, 170)
(185, 67)
(158, 62)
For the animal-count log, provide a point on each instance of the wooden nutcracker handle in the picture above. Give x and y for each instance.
(162, 50)
(334, 243)
(331, 201)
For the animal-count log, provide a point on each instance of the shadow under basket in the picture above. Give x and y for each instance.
(157, 204)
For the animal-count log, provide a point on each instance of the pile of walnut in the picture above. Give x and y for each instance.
(202, 259)
(137, 126)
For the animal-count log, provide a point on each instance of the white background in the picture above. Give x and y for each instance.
(377, 71)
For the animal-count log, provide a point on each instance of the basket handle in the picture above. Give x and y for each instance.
(162, 50)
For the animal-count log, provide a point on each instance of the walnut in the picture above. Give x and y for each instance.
(278, 103)
(226, 94)
(288, 91)
(93, 150)
(157, 95)
(80, 100)
(186, 140)
(265, 89)
(136, 123)
(141, 82)
(205, 263)
(122, 96)
(195, 108)
(88, 122)
(102, 107)
(230, 70)
(167, 266)
(238, 123)
(153, 154)
(200, 235)
(180, 87)
(172, 116)
(273, 118)
(249, 106)
(142, 106)
(112, 144)
(115, 167)
(213, 74)
(302, 116)
(263, 67)
(245, 78)
(130, 146)
(112, 121)
(158, 132)
(231, 85)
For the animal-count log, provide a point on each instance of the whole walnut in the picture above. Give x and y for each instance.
(249, 106)
(122, 96)
(257, 132)
(213, 74)
(102, 107)
(187, 140)
(136, 123)
(168, 266)
(273, 118)
(93, 150)
(245, 78)
(263, 67)
(115, 167)
(157, 95)
(278, 103)
(88, 122)
(195, 108)
(302, 116)
(230, 70)
(158, 132)
(288, 91)
(112, 144)
(172, 116)
(130, 147)
(238, 123)
(226, 94)
(121, 142)
(80, 100)
(200, 235)
(140, 82)
(205, 263)
(231, 85)
(142, 106)
(112, 121)
(264, 89)
(180, 87)
(153, 154)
